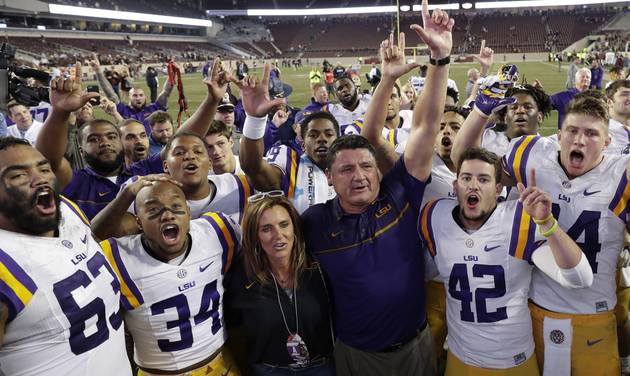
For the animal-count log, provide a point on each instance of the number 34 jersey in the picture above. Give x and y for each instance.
(64, 303)
(487, 276)
(174, 312)
(591, 209)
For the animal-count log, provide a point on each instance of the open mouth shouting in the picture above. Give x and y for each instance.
(472, 201)
(170, 234)
(191, 168)
(576, 158)
(44, 201)
(446, 142)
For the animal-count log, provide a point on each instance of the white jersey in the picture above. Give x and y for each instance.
(174, 312)
(344, 116)
(31, 133)
(394, 136)
(487, 276)
(441, 184)
(64, 303)
(496, 142)
(229, 197)
(237, 168)
(619, 138)
(303, 182)
(592, 210)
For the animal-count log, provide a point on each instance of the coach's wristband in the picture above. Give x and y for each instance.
(254, 127)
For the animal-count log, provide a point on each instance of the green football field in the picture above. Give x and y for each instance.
(552, 79)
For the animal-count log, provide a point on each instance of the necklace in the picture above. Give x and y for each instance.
(298, 352)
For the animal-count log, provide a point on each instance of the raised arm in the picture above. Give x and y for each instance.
(436, 33)
(66, 96)
(485, 60)
(162, 98)
(102, 80)
(569, 266)
(216, 83)
(393, 67)
(256, 102)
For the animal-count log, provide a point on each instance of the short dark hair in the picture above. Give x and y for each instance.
(220, 128)
(8, 142)
(14, 104)
(159, 117)
(314, 116)
(461, 111)
(540, 97)
(592, 93)
(484, 155)
(96, 121)
(451, 92)
(347, 142)
(611, 90)
(169, 144)
(126, 122)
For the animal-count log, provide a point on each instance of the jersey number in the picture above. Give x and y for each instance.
(459, 276)
(587, 223)
(78, 316)
(210, 300)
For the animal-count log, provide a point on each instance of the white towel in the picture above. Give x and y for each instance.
(558, 335)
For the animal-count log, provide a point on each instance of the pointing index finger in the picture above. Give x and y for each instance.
(77, 72)
(483, 45)
(532, 178)
(425, 12)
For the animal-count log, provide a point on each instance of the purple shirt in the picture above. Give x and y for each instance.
(561, 101)
(374, 262)
(128, 112)
(92, 192)
(597, 76)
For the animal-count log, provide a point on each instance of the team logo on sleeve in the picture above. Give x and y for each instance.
(556, 336)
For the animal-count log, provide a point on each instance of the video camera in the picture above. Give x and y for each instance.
(13, 81)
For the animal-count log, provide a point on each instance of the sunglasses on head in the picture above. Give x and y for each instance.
(259, 196)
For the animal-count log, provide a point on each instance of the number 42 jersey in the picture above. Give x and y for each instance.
(174, 312)
(64, 303)
(487, 276)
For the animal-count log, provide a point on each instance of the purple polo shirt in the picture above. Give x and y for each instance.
(92, 192)
(128, 112)
(374, 262)
(561, 101)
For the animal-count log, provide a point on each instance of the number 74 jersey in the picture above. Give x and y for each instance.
(487, 276)
(174, 312)
(64, 303)
(590, 208)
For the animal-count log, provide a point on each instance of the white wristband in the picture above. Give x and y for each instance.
(254, 127)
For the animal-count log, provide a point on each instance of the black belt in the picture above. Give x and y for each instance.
(315, 362)
(399, 345)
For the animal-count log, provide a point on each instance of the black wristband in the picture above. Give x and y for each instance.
(444, 61)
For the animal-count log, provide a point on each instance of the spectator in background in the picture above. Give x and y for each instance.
(161, 131)
(597, 74)
(113, 78)
(151, 77)
(329, 79)
(473, 76)
(339, 71)
(571, 71)
(560, 101)
(219, 144)
(374, 76)
(319, 100)
(25, 126)
(137, 108)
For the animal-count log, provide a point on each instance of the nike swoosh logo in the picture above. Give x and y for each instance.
(101, 194)
(249, 285)
(335, 234)
(591, 343)
(488, 249)
(203, 268)
(84, 239)
(587, 193)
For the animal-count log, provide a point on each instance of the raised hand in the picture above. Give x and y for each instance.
(133, 187)
(485, 58)
(255, 94)
(217, 81)
(436, 31)
(67, 95)
(393, 58)
(491, 97)
(536, 202)
(279, 118)
(94, 63)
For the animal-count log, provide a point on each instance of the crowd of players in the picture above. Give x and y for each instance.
(350, 238)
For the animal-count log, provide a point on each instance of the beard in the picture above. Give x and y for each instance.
(104, 167)
(20, 209)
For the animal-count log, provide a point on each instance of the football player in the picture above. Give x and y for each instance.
(172, 282)
(59, 297)
(483, 251)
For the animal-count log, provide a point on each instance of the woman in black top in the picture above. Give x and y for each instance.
(277, 295)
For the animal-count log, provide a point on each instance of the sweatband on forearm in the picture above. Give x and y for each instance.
(254, 127)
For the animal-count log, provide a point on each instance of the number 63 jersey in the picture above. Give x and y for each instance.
(174, 312)
(64, 303)
(590, 208)
(486, 275)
